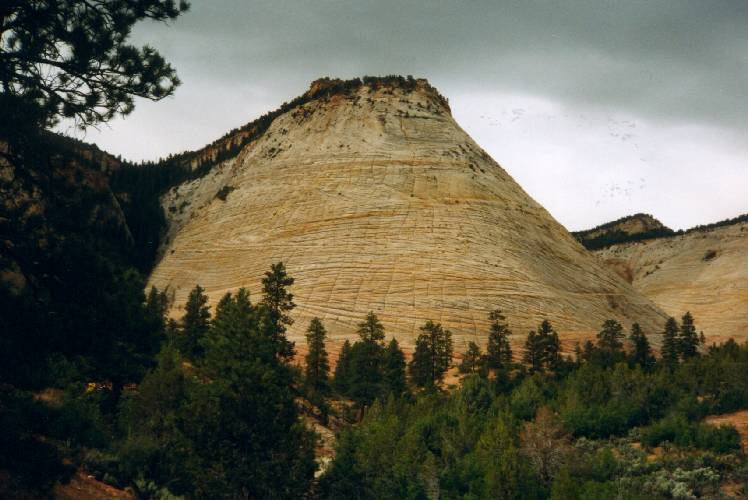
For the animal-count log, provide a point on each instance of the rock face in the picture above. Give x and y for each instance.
(631, 225)
(631, 228)
(376, 200)
(705, 272)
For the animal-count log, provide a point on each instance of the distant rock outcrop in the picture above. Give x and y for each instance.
(377, 200)
(635, 227)
(703, 270)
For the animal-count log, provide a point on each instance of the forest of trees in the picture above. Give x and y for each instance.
(218, 416)
(554, 426)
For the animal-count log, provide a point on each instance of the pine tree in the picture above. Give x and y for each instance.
(578, 353)
(366, 358)
(156, 305)
(688, 340)
(552, 350)
(278, 302)
(610, 336)
(551, 345)
(609, 342)
(317, 367)
(471, 360)
(371, 330)
(433, 355)
(498, 350)
(74, 59)
(245, 418)
(420, 365)
(366, 372)
(195, 323)
(393, 370)
(342, 377)
(533, 355)
(542, 348)
(670, 348)
(641, 352)
(589, 352)
(234, 315)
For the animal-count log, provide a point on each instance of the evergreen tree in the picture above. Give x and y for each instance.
(588, 351)
(670, 348)
(641, 352)
(278, 302)
(366, 375)
(542, 349)
(152, 415)
(533, 355)
(317, 366)
(419, 367)
(578, 353)
(393, 370)
(371, 330)
(471, 360)
(72, 59)
(551, 345)
(609, 342)
(195, 323)
(498, 349)
(688, 340)
(156, 305)
(342, 377)
(610, 336)
(433, 355)
(242, 427)
(506, 474)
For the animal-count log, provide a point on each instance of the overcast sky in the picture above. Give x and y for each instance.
(597, 108)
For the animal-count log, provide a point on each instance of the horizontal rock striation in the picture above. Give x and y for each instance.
(377, 200)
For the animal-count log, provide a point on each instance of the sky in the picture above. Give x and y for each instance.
(598, 108)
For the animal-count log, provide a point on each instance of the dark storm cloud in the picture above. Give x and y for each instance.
(673, 60)
(598, 108)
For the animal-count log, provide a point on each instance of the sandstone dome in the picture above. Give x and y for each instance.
(376, 200)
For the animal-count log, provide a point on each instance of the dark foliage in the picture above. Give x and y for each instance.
(670, 350)
(543, 349)
(195, 324)
(71, 59)
(432, 357)
(393, 370)
(278, 302)
(471, 359)
(498, 349)
(317, 369)
(472, 443)
(641, 351)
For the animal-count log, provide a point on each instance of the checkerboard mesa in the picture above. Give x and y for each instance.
(377, 200)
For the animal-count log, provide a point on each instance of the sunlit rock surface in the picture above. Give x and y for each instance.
(376, 200)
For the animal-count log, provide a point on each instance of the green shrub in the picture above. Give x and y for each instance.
(80, 421)
(677, 429)
(526, 399)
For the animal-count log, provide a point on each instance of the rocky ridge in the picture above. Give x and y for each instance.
(635, 227)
